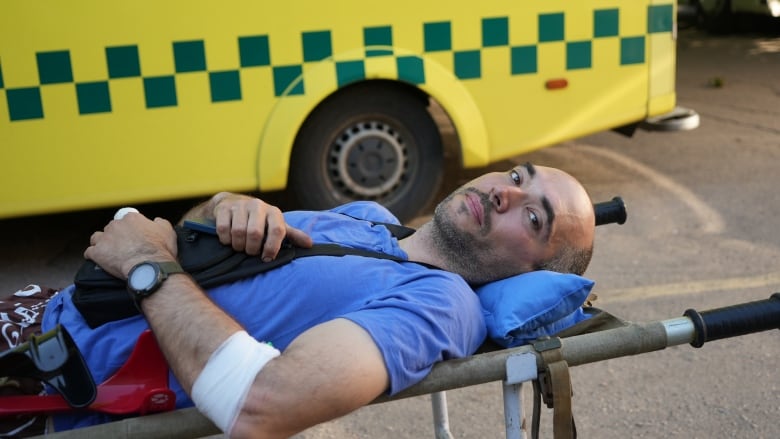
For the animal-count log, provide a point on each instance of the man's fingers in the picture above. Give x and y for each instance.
(274, 233)
(164, 222)
(230, 221)
(256, 230)
(298, 237)
(238, 229)
(94, 238)
(250, 225)
(223, 222)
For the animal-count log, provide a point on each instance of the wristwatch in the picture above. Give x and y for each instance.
(146, 277)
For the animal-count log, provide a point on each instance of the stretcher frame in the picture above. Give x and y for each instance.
(514, 367)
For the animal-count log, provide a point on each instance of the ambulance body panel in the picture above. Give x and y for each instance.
(105, 104)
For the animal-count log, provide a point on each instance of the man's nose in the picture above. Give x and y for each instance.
(503, 197)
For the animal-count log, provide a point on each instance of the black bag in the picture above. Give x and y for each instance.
(102, 298)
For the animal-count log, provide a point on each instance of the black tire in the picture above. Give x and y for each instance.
(371, 141)
(715, 16)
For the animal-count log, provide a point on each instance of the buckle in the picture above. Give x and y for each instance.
(52, 357)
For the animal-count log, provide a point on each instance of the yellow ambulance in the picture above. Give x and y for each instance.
(111, 103)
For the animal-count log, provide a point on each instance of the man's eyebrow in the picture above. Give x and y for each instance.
(546, 205)
(529, 167)
(550, 217)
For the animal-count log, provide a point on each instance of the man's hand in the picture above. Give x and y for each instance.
(252, 225)
(133, 239)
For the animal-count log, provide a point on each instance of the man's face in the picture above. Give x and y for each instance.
(504, 223)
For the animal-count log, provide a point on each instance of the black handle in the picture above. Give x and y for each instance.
(735, 320)
(613, 211)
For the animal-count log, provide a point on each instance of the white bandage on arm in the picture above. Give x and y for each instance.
(221, 388)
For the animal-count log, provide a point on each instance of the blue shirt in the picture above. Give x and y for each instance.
(417, 316)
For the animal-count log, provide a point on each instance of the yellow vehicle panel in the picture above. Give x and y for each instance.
(104, 104)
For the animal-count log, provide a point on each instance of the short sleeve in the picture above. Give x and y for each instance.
(417, 325)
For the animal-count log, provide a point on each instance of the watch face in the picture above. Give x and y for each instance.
(143, 277)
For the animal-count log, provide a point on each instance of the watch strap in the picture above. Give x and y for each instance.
(170, 267)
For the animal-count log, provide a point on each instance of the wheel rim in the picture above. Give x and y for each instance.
(368, 160)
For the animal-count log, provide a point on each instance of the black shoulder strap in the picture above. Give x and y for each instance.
(398, 231)
(338, 250)
(242, 266)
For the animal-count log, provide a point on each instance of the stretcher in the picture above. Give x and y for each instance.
(140, 387)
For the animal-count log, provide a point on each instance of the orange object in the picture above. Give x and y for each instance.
(555, 84)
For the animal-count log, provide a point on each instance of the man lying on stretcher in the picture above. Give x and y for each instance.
(312, 340)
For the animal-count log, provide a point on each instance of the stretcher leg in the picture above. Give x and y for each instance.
(513, 411)
(519, 368)
(441, 420)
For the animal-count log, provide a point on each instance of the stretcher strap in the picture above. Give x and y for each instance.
(554, 385)
(563, 420)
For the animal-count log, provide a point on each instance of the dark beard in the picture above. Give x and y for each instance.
(464, 252)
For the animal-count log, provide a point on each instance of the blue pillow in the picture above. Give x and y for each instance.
(522, 308)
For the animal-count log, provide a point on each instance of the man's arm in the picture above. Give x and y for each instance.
(333, 369)
(326, 372)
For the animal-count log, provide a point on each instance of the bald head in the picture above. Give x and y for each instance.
(505, 223)
(573, 230)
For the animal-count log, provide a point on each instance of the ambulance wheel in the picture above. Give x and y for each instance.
(371, 141)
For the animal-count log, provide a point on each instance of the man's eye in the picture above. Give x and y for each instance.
(516, 177)
(534, 220)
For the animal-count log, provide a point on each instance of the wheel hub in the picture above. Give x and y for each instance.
(368, 160)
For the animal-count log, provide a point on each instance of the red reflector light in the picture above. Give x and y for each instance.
(554, 84)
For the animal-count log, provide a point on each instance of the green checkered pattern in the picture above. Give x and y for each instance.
(25, 103)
